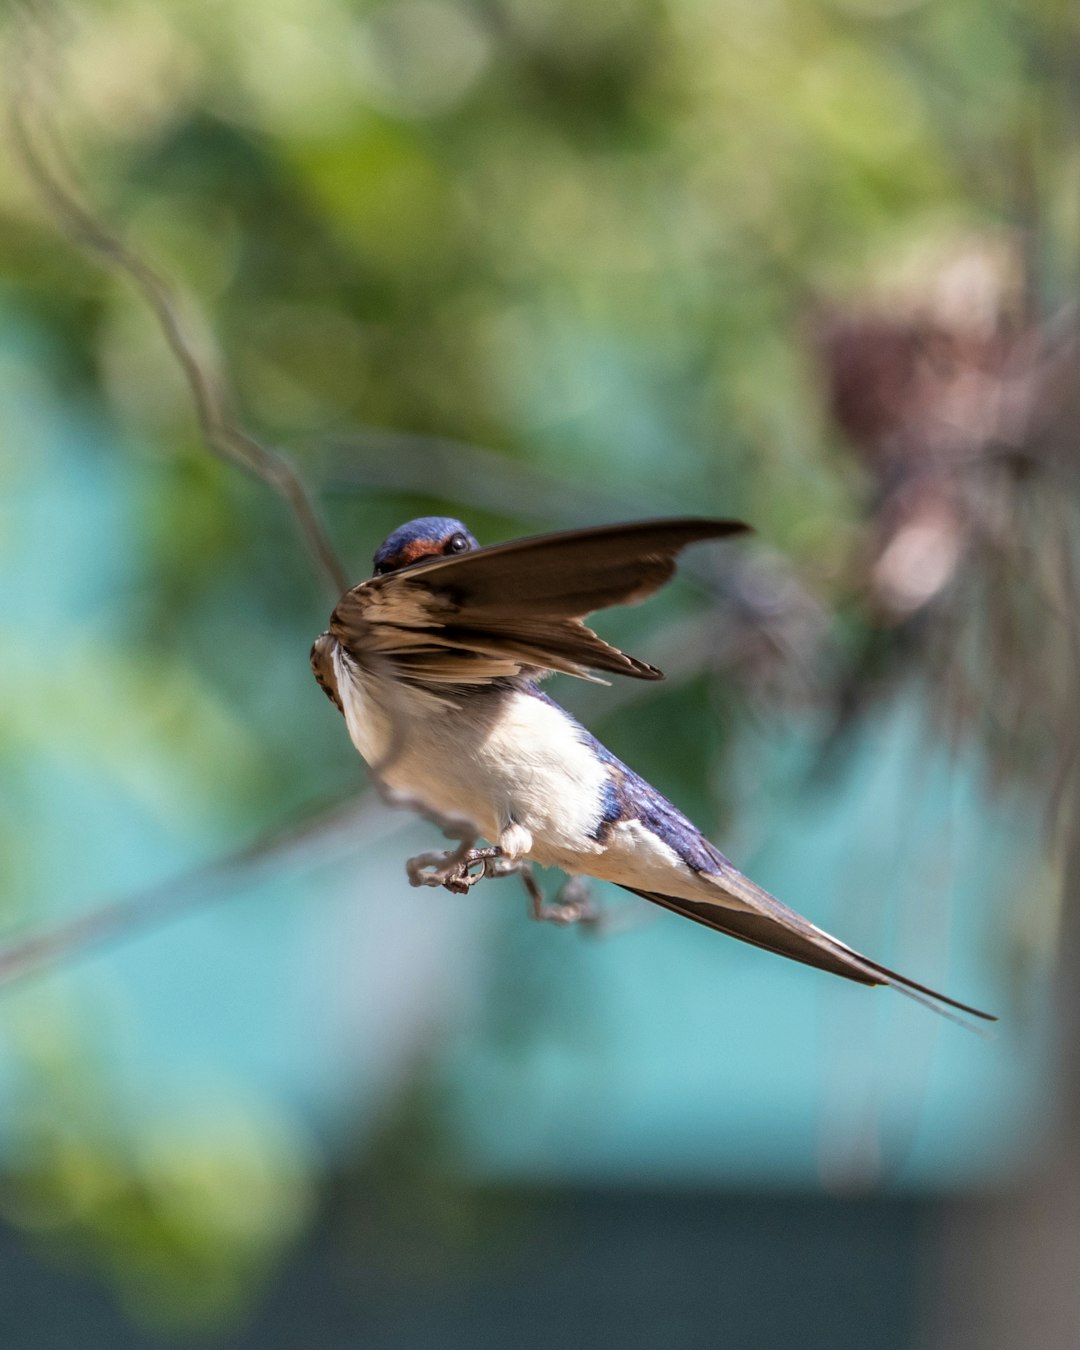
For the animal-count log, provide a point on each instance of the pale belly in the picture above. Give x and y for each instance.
(498, 758)
(503, 759)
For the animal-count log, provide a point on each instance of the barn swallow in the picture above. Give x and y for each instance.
(435, 663)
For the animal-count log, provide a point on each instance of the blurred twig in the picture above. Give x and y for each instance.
(411, 462)
(43, 161)
(314, 836)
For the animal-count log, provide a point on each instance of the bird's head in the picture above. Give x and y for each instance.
(428, 537)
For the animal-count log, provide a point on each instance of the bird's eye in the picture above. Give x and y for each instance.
(457, 543)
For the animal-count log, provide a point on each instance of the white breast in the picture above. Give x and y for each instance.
(503, 758)
(538, 773)
(497, 757)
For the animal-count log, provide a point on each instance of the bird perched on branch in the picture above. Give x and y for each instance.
(434, 663)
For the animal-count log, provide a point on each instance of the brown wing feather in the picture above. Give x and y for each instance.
(520, 602)
(322, 667)
(569, 574)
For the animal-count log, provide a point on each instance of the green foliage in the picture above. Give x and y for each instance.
(186, 1211)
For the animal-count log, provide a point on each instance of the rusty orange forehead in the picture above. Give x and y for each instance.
(416, 549)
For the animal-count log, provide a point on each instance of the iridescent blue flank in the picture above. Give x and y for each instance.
(627, 796)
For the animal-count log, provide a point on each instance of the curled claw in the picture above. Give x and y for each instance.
(453, 869)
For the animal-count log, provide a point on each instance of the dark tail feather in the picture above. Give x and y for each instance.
(809, 945)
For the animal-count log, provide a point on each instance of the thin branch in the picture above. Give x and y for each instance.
(411, 461)
(30, 135)
(74, 938)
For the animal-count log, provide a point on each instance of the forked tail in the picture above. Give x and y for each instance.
(776, 928)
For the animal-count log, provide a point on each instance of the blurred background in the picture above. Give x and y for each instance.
(542, 263)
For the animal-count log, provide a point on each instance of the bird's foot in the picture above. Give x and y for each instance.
(573, 904)
(454, 868)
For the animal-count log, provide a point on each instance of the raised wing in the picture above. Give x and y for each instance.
(475, 617)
